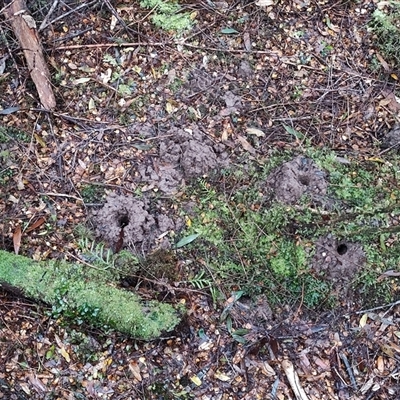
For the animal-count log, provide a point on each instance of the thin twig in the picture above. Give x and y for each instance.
(102, 45)
(6, 6)
(68, 13)
(349, 370)
(391, 305)
(52, 194)
(46, 18)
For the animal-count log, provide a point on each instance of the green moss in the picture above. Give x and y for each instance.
(89, 294)
(167, 15)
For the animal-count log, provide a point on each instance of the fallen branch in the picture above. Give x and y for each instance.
(88, 294)
(24, 28)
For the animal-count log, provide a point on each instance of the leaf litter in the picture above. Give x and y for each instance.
(128, 125)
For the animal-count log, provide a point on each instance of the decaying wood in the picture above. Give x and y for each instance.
(24, 28)
(294, 380)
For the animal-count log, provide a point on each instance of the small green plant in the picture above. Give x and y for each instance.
(167, 15)
(200, 281)
(326, 48)
(175, 85)
(386, 29)
(103, 259)
(5, 175)
(9, 134)
(92, 193)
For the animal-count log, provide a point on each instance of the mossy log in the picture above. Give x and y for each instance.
(88, 293)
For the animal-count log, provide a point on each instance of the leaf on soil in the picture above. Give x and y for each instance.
(294, 132)
(266, 369)
(247, 41)
(91, 105)
(221, 376)
(363, 320)
(40, 141)
(255, 131)
(229, 31)
(9, 110)
(172, 106)
(80, 80)
(135, 369)
(383, 62)
(3, 64)
(29, 21)
(17, 239)
(62, 350)
(246, 145)
(388, 274)
(264, 3)
(330, 25)
(390, 100)
(238, 338)
(37, 384)
(25, 388)
(39, 222)
(196, 380)
(186, 240)
(50, 352)
(294, 380)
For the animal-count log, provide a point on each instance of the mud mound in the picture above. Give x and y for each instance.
(337, 261)
(392, 138)
(183, 155)
(295, 178)
(143, 230)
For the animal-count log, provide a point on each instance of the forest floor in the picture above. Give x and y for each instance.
(142, 114)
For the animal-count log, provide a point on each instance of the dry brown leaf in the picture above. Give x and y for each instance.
(39, 222)
(266, 369)
(388, 274)
(247, 41)
(222, 377)
(305, 362)
(255, 131)
(391, 101)
(246, 145)
(323, 364)
(17, 238)
(363, 320)
(37, 383)
(135, 369)
(380, 364)
(196, 380)
(384, 64)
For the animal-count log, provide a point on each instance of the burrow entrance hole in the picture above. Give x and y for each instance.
(123, 221)
(342, 249)
(304, 180)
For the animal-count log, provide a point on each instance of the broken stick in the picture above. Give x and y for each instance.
(24, 28)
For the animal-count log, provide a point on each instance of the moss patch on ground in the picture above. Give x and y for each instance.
(248, 241)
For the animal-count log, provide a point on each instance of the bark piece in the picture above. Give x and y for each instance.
(24, 28)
